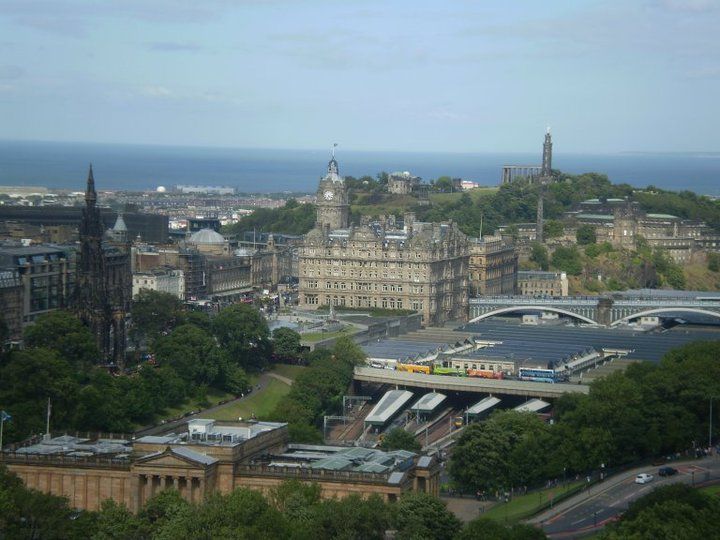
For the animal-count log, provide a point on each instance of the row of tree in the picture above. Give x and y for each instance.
(319, 389)
(648, 410)
(674, 511)
(186, 355)
(292, 510)
(643, 267)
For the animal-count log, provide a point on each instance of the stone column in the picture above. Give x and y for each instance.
(202, 489)
(147, 488)
(176, 482)
(193, 488)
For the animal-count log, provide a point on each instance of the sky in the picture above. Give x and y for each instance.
(403, 75)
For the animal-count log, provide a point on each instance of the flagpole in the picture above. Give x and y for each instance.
(47, 428)
(3, 416)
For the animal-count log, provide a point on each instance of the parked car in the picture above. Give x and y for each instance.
(667, 471)
(643, 478)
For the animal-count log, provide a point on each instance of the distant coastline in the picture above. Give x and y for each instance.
(140, 168)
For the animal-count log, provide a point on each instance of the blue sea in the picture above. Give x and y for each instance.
(139, 168)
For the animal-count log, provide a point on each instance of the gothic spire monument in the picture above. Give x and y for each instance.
(103, 284)
(543, 180)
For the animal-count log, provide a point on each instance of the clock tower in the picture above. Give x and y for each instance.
(333, 209)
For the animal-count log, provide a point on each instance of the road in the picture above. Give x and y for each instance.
(604, 502)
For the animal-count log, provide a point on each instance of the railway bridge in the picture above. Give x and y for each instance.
(601, 310)
(403, 379)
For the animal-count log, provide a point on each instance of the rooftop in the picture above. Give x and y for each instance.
(207, 236)
(643, 345)
(354, 459)
(388, 406)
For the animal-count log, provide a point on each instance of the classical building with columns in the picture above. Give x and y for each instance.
(209, 457)
(386, 263)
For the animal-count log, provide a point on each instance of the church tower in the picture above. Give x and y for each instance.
(333, 208)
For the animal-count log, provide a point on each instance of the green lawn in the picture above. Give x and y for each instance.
(287, 370)
(261, 402)
(711, 490)
(320, 336)
(475, 195)
(526, 505)
(213, 396)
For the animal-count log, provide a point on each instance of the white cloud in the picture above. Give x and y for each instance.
(156, 91)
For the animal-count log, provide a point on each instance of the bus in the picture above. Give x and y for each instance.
(455, 372)
(541, 375)
(485, 373)
(413, 368)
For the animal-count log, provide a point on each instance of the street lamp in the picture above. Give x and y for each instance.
(710, 427)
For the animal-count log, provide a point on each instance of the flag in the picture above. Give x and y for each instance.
(5, 416)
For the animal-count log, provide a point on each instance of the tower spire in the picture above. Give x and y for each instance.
(333, 164)
(90, 195)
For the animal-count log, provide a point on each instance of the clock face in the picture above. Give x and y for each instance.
(328, 195)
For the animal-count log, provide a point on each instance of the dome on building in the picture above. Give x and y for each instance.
(207, 236)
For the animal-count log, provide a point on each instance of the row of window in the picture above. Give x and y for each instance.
(361, 263)
(365, 301)
(364, 286)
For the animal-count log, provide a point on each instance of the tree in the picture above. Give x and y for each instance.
(243, 513)
(585, 235)
(674, 511)
(351, 518)
(244, 334)
(153, 314)
(192, 353)
(62, 332)
(286, 343)
(568, 260)
(349, 352)
(553, 228)
(444, 184)
(27, 380)
(293, 218)
(115, 522)
(510, 448)
(491, 529)
(26, 513)
(295, 498)
(713, 260)
(421, 516)
(399, 439)
(539, 255)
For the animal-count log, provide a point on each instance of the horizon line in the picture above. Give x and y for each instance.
(343, 149)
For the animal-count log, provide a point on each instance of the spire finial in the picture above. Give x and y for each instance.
(547, 130)
(333, 165)
(90, 195)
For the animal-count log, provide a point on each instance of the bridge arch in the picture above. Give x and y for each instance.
(511, 309)
(666, 310)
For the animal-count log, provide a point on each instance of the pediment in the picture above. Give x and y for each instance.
(175, 458)
(165, 460)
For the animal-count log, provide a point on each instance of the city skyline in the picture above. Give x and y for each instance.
(410, 76)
